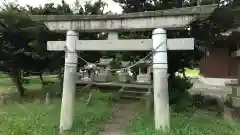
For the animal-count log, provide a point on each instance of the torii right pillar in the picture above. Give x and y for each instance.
(160, 80)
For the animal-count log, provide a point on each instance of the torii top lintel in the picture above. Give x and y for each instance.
(169, 19)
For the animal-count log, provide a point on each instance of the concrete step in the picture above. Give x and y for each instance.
(112, 133)
(135, 92)
(130, 97)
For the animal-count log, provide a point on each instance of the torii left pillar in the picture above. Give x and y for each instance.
(69, 82)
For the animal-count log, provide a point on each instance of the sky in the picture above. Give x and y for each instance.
(114, 7)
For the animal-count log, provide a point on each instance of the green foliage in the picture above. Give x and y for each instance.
(116, 64)
(211, 27)
(23, 41)
(178, 93)
(177, 60)
(50, 9)
(148, 5)
(23, 44)
(179, 98)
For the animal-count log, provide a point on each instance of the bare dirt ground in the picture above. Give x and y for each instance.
(124, 112)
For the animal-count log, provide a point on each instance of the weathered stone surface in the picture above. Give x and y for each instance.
(172, 18)
(124, 77)
(122, 45)
(137, 24)
(144, 78)
(236, 101)
(236, 91)
(103, 77)
(206, 9)
(86, 74)
(231, 114)
(105, 62)
(87, 79)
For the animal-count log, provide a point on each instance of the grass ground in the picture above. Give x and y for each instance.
(39, 119)
(34, 118)
(185, 124)
(3, 76)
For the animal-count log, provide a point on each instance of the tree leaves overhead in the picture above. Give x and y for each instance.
(209, 27)
(29, 38)
(130, 6)
(23, 41)
(50, 9)
(212, 28)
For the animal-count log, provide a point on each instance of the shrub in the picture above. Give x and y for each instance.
(179, 96)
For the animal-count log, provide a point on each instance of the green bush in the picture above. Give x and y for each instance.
(179, 96)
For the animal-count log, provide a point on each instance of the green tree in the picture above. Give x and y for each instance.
(212, 27)
(178, 60)
(23, 43)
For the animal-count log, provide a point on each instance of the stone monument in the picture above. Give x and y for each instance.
(103, 75)
(235, 95)
(123, 75)
(145, 70)
(88, 72)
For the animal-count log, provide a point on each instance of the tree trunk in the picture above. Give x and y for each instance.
(184, 75)
(16, 78)
(41, 79)
(183, 72)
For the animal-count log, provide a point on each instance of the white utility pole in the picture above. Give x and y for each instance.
(69, 82)
(160, 80)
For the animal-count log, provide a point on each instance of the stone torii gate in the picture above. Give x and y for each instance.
(159, 44)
